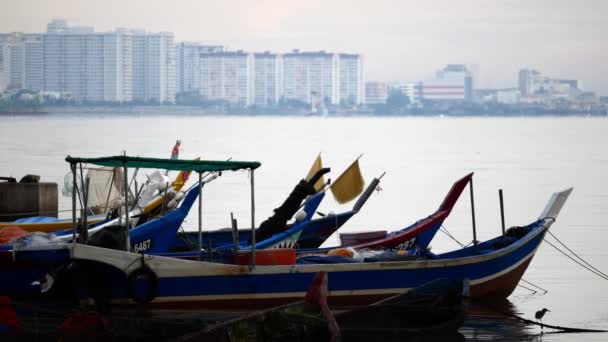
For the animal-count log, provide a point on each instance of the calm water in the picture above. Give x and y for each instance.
(527, 157)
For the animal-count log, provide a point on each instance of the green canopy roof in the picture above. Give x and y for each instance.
(166, 164)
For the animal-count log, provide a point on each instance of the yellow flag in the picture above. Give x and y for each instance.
(182, 178)
(349, 184)
(316, 166)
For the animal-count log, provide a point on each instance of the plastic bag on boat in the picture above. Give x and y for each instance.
(36, 239)
(367, 253)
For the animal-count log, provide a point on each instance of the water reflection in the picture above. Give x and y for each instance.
(496, 321)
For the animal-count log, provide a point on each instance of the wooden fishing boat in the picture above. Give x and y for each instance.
(418, 235)
(494, 268)
(312, 236)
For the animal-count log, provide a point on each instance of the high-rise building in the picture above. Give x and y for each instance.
(154, 67)
(310, 74)
(266, 78)
(226, 76)
(351, 79)
(34, 62)
(91, 67)
(188, 64)
(25, 68)
(4, 66)
(320, 76)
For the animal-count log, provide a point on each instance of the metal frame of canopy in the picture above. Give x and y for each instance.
(199, 166)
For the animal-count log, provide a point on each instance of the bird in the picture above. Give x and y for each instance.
(540, 314)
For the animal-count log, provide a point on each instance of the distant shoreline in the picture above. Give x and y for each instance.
(138, 110)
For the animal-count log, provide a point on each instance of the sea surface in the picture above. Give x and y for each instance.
(529, 158)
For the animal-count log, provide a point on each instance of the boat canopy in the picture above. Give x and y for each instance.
(167, 164)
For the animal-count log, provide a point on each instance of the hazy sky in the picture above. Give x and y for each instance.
(400, 40)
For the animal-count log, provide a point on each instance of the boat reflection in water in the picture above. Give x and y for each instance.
(496, 321)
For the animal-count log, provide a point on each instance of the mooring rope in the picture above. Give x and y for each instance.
(599, 274)
(577, 256)
(538, 287)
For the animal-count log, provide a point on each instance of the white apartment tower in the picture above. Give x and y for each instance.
(25, 67)
(266, 78)
(188, 65)
(310, 74)
(4, 66)
(154, 67)
(226, 76)
(351, 86)
(92, 67)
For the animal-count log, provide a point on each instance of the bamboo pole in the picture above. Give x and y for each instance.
(502, 211)
(73, 167)
(126, 179)
(200, 214)
(252, 181)
(473, 213)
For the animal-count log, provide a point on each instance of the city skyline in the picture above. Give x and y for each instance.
(400, 40)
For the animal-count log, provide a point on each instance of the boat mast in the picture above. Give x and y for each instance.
(473, 212)
(502, 211)
(126, 180)
(83, 234)
(252, 262)
(200, 214)
(73, 167)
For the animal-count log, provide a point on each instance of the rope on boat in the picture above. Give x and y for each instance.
(538, 287)
(604, 275)
(599, 274)
(446, 232)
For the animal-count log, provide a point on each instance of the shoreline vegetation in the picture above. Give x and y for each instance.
(27, 102)
(368, 111)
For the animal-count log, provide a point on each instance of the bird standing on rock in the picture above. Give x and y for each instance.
(539, 315)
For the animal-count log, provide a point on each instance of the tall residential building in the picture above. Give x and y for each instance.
(34, 62)
(4, 66)
(351, 88)
(25, 69)
(226, 76)
(266, 78)
(154, 67)
(308, 75)
(91, 67)
(188, 64)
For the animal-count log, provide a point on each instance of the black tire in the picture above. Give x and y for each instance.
(143, 273)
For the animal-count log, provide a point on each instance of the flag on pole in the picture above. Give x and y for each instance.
(349, 184)
(316, 166)
(175, 152)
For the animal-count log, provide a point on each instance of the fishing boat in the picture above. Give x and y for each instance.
(417, 235)
(312, 236)
(494, 268)
(420, 233)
